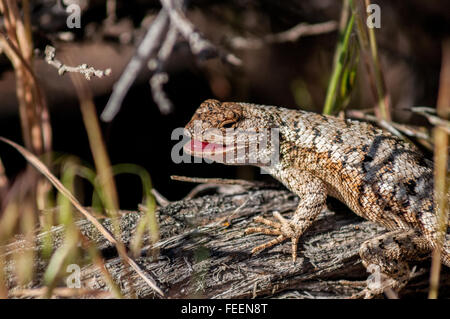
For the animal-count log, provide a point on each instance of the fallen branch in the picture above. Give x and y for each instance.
(88, 72)
(160, 199)
(221, 181)
(291, 35)
(430, 114)
(198, 44)
(159, 78)
(144, 51)
(392, 127)
(205, 254)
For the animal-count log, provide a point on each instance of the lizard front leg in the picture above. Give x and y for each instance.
(387, 256)
(312, 193)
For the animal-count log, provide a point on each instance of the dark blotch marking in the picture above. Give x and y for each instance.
(364, 148)
(422, 161)
(395, 240)
(405, 203)
(361, 189)
(411, 187)
(344, 160)
(338, 137)
(370, 171)
(375, 146)
(316, 132)
(311, 207)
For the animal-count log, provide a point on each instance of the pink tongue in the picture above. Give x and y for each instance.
(200, 146)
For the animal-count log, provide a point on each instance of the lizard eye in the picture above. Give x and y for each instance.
(228, 124)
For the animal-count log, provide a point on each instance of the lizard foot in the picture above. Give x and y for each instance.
(386, 258)
(380, 283)
(284, 229)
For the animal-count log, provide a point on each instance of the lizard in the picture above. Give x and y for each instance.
(377, 175)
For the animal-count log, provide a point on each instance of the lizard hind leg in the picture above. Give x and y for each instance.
(387, 256)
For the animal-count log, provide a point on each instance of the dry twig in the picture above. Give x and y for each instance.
(172, 10)
(60, 292)
(88, 72)
(145, 50)
(159, 78)
(160, 199)
(198, 44)
(291, 35)
(431, 116)
(390, 126)
(221, 181)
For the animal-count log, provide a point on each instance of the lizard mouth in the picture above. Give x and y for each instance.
(235, 149)
(208, 150)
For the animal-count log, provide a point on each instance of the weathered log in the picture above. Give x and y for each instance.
(204, 253)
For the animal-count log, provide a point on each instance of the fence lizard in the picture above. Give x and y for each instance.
(376, 174)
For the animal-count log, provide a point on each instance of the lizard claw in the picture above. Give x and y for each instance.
(282, 229)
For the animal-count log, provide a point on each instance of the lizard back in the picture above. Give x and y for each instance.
(379, 176)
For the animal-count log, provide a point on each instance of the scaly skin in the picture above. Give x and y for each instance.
(377, 175)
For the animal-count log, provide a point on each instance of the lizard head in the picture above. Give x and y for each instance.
(230, 133)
